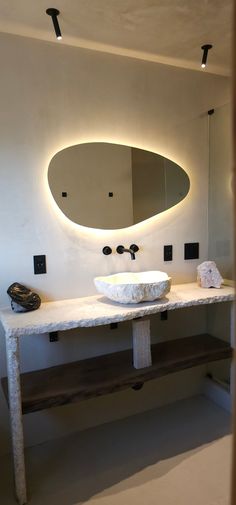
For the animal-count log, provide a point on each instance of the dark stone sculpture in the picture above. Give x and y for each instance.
(22, 298)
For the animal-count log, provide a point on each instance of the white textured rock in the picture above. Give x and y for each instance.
(208, 275)
(130, 287)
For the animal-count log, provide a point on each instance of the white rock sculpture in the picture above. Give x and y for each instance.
(134, 287)
(208, 275)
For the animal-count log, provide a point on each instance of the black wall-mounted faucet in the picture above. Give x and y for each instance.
(132, 250)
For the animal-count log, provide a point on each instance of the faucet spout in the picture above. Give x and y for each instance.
(131, 253)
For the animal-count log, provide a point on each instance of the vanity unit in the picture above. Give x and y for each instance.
(58, 385)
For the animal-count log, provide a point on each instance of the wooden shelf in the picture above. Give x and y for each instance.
(101, 375)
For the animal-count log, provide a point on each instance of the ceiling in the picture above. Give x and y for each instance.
(165, 31)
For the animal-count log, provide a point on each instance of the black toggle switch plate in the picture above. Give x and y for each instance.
(168, 252)
(191, 251)
(40, 264)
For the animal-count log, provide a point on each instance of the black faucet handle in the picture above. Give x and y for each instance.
(134, 248)
(120, 249)
(107, 250)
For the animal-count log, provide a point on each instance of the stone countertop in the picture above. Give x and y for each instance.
(97, 310)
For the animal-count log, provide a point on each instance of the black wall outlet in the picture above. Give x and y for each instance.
(40, 264)
(168, 252)
(191, 251)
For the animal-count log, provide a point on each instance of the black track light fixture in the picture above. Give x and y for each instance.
(54, 13)
(205, 49)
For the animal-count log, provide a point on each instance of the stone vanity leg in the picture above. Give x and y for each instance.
(14, 392)
(141, 343)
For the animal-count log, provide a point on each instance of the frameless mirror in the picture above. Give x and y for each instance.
(111, 186)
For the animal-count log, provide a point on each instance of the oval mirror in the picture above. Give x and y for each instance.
(112, 186)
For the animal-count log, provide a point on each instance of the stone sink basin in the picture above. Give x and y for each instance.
(134, 287)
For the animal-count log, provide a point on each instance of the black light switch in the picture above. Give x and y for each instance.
(168, 249)
(40, 264)
(191, 251)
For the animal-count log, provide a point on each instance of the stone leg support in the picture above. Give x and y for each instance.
(13, 366)
(141, 343)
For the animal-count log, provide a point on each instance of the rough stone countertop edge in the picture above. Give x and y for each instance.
(122, 313)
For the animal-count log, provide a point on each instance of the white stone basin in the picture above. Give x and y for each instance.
(134, 287)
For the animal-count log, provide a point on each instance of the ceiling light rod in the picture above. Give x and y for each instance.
(205, 49)
(54, 13)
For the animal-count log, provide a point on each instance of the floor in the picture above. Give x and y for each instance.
(175, 455)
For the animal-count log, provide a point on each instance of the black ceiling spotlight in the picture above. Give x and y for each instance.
(54, 13)
(205, 49)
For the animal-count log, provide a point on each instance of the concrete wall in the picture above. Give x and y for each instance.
(52, 97)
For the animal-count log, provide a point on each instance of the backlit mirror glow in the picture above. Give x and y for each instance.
(111, 186)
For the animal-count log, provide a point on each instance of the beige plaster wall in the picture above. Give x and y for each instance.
(53, 97)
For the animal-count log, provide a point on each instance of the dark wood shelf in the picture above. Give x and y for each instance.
(77, 381)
